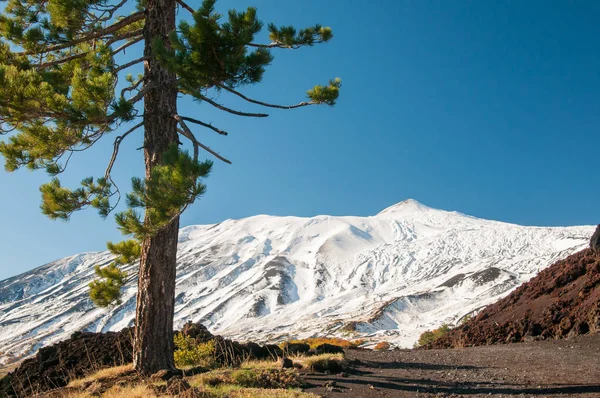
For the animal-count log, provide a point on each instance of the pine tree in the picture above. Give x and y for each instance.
(59, 74)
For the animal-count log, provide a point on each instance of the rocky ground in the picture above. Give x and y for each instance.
(556, 368)
(551, 368)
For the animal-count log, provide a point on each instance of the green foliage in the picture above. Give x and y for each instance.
(189, 353)
(208, 53)
(59, 97)
(106, 290)
(60, 202)
(287, 36)
(432, 335)
(126, 251)
(326, 94)
(171, 187)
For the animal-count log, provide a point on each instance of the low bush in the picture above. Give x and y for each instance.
(432, 335)
(189, 353)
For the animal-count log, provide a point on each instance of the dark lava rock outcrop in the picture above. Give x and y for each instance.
(595, 241)
(561, 301)
(53, 366)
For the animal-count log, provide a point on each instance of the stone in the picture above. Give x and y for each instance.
(286, 363)
(328, 349)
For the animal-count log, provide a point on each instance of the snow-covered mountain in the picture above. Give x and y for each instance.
(390, 276)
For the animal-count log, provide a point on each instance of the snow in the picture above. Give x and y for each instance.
(264, 278)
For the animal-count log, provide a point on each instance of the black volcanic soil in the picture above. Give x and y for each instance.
(556, 368)
(561, 301)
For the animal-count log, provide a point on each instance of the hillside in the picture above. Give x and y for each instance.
(561, 301)
(384, 277)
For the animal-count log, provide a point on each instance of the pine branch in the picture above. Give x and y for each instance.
(281, 45)
(129, 64)
(132, 87)
(184, 5)
(113, 158)
(110, 11)
(223, 108)
(138, 16)
(186, 132)
(207, 125)
(116, 145)
(62, 60)
(301, 104)
(129, 43)
(140, 94)
(134, 33)
(83, 54)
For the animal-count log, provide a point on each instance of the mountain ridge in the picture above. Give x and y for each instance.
(270, 278)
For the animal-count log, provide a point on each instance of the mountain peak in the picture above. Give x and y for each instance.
(408, 206)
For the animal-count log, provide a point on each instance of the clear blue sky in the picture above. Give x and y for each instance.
(491, 108)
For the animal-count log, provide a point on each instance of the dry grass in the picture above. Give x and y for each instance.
(382, 346)
(320, 363)
(118, 391)
(317, 341)
(264, 364)
(247, 378)
(137, 391)
(108, 373)
(278, 393)
(9, 368)
(308, 361)
(233, 391)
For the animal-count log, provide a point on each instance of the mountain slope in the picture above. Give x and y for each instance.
(561, 301)
(392, 275)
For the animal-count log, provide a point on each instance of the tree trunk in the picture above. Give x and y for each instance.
(153, 345)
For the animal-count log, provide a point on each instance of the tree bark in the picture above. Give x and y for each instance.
(153, 345)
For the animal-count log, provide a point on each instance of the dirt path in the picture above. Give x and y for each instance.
(558, 368)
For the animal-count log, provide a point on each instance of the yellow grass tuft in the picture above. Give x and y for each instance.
(277, 393)
(233, 391)
(108, 373)
(323, 362)
(309, 361)
(260, 364)
(136, 391)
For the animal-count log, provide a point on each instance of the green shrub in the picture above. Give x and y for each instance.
(432, 335)
(189, 353)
